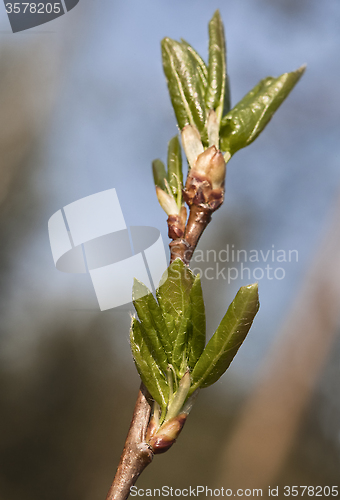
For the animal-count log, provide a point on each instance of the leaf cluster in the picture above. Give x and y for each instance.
(168, 338)
(196, 88)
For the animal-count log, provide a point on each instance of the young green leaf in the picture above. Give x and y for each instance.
(197, 339)
(170, 326)
(175, 175)
(142, 298)
(184, 87)
(174, 293)
(160, 325)
(181, 341)
(147, 367)
(227, 339)
(159, 173)
(214, 97)
(249, 117)
(227, 99)
(199, 65)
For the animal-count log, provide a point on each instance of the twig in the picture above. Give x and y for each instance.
(203, 200)
(137, 454)
(184, 248)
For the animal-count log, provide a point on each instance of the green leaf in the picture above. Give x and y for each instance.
(227, 339)
(227, 99)
(197, 339)
(199, 65)
(214, 97)
(159, 173)
(143, 302)
(161, 326)
(175, 175)
(181, 342)
(184, 87)
(147, 367)
(249, 117)
(174, 293)
(170, 326)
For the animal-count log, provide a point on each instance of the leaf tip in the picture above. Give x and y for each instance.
(299, 72)
(216, 15)
(252, 288)
(139, 290)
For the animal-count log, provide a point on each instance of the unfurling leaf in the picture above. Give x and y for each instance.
(227, 99)
(153, 327)
(175, 175)
(214, 97)
(180, 347)
(174, 293)
(159, 173)
(199, 65)
(249, 117)
(227, 339)
(184, 86)
(147, 367)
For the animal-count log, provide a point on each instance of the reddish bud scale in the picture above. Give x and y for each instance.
(198, 191)
(167, 434)
(176, 224)
(152, 427)
(205, 182)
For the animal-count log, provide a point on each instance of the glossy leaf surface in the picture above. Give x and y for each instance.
(180, 346)
(227, 339)
(159, 173)
(199, 65)
(249, 117)
(175, 175)
(196, 341)
(217, 66)
(153, 325)
(147, 366)
(184, 86)
(174, 293)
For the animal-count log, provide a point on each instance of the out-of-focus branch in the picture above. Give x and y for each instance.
(272, 416)
(27, 93)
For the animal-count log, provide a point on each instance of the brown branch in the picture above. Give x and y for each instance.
(137, 454)
(202, 200)
(184, 248)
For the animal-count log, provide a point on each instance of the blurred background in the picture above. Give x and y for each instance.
(84, 108)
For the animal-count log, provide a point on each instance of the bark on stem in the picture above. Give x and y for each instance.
(137, 454)
(184, 248)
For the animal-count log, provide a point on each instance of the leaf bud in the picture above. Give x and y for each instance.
(167, 202)
(210, 165)
(192, 144)
(167, 434)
